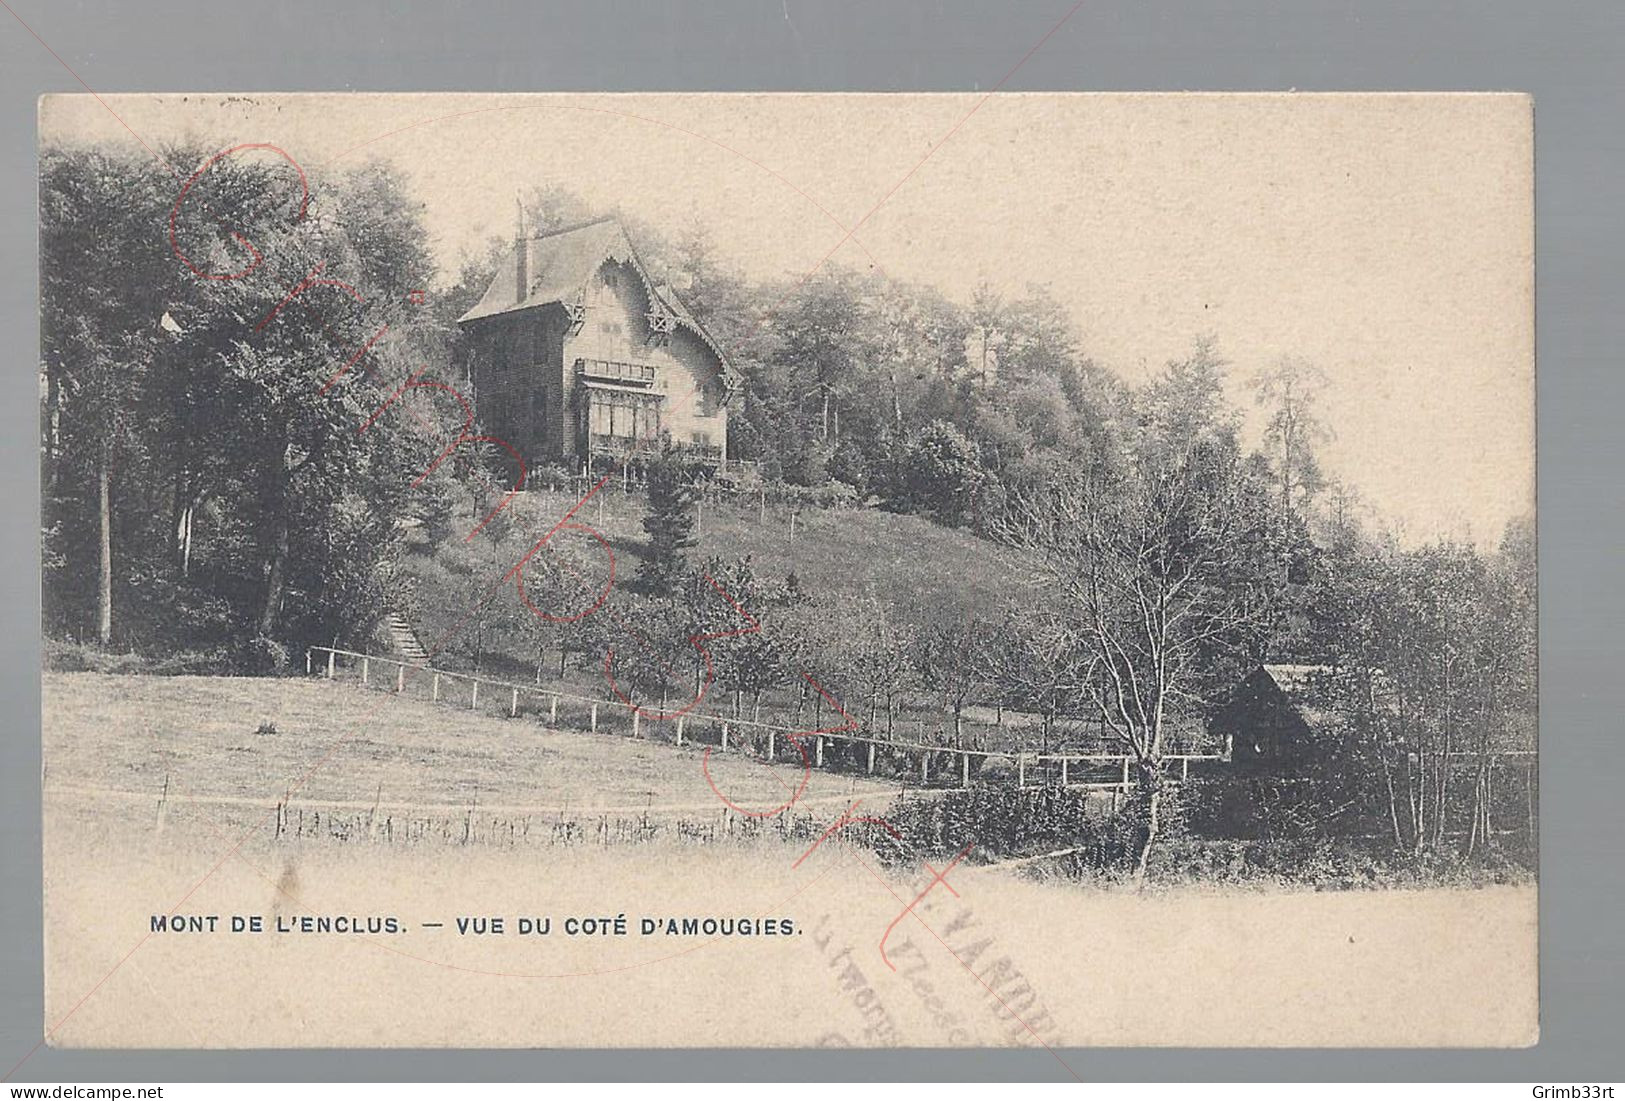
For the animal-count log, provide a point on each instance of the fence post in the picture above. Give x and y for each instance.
(513, 706)
(770, 754)
(437, 688)
(593, 719)
(1021, 770)
(474, 700)
(679, 730)
(1063, 771)
(331, 654)
(964, 771)
(637, 724)
(724, 736)
(925, 765)
(871, 757)
(553, 712)
(366, 665)
(818, 751)
(1184, 769)
(1125, 772)
(307, 661)
(400, 680)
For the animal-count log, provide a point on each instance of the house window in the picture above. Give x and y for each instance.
(608, 419)
(623, 416)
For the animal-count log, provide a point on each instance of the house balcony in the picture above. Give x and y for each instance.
(616, 373)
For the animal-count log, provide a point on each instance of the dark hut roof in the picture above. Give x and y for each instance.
(1297, 676)
(1300, 695)
(1276, 715)
(561, 263)
(1309, 688)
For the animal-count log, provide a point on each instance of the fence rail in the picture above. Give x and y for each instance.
(929, 765)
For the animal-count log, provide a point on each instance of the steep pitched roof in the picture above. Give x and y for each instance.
(561, 263)
(1309, 688)
(1299, 680)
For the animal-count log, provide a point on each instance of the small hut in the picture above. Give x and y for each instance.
(1279, 721)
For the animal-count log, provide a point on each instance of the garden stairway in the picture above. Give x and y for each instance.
(403, 640)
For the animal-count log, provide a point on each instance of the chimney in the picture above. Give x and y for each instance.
(521, 253)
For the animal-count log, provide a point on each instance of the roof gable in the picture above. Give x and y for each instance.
(1301, 681)
(1293, 698)
(560, 265)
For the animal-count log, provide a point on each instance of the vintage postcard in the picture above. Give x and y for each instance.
(1032, 570)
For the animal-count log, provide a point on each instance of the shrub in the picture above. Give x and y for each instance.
(261, 656)
(943, 473)
(999, 821)
(64, 656)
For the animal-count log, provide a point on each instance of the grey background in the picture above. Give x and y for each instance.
(1568, 54)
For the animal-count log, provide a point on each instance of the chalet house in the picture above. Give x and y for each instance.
(576, 353)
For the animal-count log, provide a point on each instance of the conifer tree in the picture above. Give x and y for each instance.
(669, 523)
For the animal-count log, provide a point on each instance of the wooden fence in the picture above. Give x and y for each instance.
(848, 751)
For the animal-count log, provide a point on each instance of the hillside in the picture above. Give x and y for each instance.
(920, 571)
(907, 561)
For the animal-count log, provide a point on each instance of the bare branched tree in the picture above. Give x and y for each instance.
(1150, 567)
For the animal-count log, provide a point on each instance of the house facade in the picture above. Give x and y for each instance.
(576, 353)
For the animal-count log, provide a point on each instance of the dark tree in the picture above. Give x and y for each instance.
(202, 485)
(670, 522)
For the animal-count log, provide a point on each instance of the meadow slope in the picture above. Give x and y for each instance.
(198, 738)
(907, 561)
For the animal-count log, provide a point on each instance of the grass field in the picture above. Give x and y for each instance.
(197, 740)
(907, 561)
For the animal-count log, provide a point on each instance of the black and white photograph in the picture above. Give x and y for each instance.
(577, 571)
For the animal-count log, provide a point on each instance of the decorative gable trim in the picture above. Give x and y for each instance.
(575, 311)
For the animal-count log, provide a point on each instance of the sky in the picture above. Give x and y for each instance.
(1387, 239)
